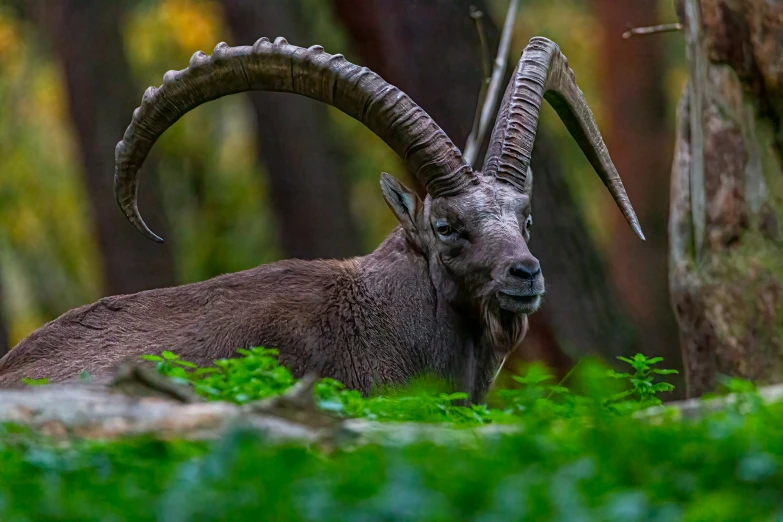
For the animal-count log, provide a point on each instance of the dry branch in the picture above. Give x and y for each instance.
(696, 408)
(654, 29)
(490, 91)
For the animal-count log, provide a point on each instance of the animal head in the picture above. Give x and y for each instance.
(476, 241)
(478, 235)
(473, 226)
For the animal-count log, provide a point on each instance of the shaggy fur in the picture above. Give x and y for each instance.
(420, 303)
(447, 293)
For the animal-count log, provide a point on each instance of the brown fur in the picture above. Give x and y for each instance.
(447, 293)
(415, 305)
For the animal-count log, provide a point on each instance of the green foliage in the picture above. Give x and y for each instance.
(538, 395)
(643, 389)
(257, 375)
(576, 455)
(597, 466)
(734, 385)
(423, 406)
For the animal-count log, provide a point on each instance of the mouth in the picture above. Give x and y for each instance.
(519, 304)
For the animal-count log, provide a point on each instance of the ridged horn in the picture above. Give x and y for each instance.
(384, 109)
(543, 72)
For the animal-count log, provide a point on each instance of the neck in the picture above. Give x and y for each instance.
(462, 342)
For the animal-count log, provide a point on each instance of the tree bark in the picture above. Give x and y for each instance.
(725, 249)
(86, 36)
(308, 188)
(5, 345)
(636, 132)
(430, 50)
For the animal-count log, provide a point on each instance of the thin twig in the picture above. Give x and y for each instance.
(478, 20)
(565, 378)
(486, 68)
(486, 108)
(654, 29)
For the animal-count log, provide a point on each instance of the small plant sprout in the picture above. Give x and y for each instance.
(643, 389)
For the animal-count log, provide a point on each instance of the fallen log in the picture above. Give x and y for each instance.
(699, 407)
(141, 402)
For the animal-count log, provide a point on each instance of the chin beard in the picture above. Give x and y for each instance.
(504, 330)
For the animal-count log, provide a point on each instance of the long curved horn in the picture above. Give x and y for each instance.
(543, 72)
(388, 112)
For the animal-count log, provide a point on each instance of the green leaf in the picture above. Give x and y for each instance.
(154, 358)
(35, 382)
(203, 371)
(169, 356)
(187, 364)
(621, 395)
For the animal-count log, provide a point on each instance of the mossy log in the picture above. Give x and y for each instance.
(726, 256)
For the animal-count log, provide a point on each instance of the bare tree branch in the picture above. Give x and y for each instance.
(488, 105)
(478, 20)
(654, 29)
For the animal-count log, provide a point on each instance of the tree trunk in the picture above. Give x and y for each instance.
(308, 187)
(726, 257)
(636, 132)
(430, 50)
(4, 337)
(86, 35)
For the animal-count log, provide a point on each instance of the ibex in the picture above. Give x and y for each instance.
(447, 293)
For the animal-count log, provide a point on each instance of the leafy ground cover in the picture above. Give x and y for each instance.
(257, 375)
(580, 454)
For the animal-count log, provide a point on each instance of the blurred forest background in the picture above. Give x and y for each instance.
(251, 179)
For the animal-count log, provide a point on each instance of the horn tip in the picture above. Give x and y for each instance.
(149, 234)
(135, 218)
(638, 230)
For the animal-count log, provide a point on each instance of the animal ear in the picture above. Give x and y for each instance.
(405, 203)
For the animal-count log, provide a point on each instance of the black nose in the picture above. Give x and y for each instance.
(527, 269)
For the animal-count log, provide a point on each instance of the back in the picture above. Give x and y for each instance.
(363, 321)
(273, 305)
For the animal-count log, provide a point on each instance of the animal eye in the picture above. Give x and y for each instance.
(528, 223)
(444, 229)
